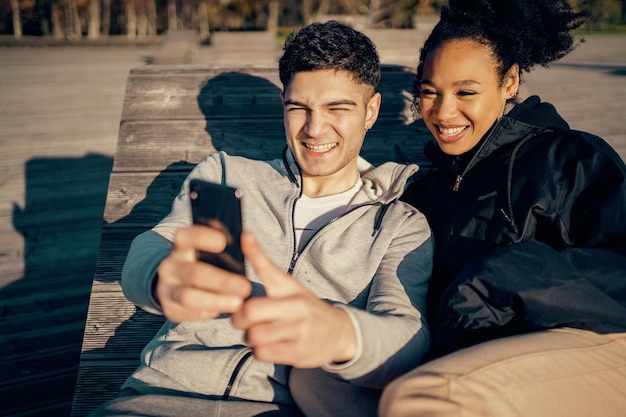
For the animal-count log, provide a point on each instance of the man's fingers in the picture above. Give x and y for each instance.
(198, 237)
(277, 283)
(203, 276)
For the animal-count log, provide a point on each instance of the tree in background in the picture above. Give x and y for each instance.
(17, 22)
(95, 8)
(139, 19)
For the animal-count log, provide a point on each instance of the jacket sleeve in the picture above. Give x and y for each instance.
(149, 248)
(530, 286)
(392, 331)
(571, 271)
(140, 269)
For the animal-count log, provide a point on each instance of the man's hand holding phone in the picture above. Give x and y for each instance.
(202, 278)
(193, 283)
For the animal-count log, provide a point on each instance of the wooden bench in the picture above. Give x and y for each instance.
(173, 116)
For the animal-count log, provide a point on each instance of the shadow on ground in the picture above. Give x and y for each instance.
(42, 314)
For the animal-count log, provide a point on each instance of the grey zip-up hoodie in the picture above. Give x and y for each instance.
(374, 261)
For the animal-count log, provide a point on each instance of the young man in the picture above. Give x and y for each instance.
(336, 266)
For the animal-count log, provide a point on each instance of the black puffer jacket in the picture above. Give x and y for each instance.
(533, 236)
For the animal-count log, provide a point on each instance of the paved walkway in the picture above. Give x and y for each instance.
(61, 106)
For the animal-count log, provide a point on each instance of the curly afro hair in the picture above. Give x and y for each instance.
(523, 32)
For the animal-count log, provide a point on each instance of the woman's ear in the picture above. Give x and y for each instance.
(511, 81)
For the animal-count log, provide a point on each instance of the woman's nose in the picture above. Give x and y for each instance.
(445, 107)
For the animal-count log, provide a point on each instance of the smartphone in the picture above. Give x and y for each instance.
(217, 206)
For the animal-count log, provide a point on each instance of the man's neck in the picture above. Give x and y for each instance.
(315, 187)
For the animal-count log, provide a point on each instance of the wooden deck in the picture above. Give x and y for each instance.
(60, 117)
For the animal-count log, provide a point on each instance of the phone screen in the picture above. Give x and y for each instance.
(217, 206)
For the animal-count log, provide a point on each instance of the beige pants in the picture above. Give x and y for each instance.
(555, 373)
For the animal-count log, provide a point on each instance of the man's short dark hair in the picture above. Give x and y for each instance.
(330, 45)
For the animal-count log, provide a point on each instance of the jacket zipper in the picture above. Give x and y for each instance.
(457, 183)
(296, 254)
(459, 177)
(234, 375)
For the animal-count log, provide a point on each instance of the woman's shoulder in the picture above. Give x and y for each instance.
(570, 144)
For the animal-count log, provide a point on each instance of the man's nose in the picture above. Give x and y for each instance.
(316, 124)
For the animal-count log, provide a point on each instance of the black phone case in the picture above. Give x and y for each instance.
(217, 206)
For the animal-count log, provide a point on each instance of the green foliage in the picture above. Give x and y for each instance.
(602, 13)
(605, 15)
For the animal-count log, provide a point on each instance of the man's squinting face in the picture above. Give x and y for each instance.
(326, 116)
(462, 95)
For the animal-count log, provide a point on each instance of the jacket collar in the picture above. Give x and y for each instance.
(525, 119)
(382, 183)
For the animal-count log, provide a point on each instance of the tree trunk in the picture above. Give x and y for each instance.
(152, 17)
(375, 6)
(17, 21)
(142, 18)
(131, 19)
(70, 27)
(55, 17)
(172, 21)
(106, 17)
(307, 11)
(323, 8)
(93, 31)
(75, 19)
(272, 19)
(203, 20)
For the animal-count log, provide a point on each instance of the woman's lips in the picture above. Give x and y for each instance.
(451, 134)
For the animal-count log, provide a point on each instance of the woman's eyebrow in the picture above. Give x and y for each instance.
(456, 83)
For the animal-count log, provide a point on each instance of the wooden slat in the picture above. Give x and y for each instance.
(141, 198)
(105, 337)
(168, 95)
(154, 145)
(97, 380)
(113, 250)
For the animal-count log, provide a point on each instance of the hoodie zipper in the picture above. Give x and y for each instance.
(377, 224)
(294, 253)
(234, 375)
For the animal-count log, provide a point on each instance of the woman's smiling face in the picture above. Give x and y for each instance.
(462, 95)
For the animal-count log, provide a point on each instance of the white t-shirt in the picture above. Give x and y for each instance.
(311, 214)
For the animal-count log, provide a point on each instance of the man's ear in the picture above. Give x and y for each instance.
(282, 97)
(373, 109)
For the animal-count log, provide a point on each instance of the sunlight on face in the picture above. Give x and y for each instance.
(326, 116)
(462, 95)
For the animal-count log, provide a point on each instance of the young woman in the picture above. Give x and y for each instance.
(527, 302)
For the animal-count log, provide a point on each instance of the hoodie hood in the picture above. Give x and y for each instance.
(533, 112)
(383, 183)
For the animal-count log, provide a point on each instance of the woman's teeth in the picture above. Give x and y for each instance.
(451, 131)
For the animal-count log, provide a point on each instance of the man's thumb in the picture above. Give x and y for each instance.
(277, 283)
